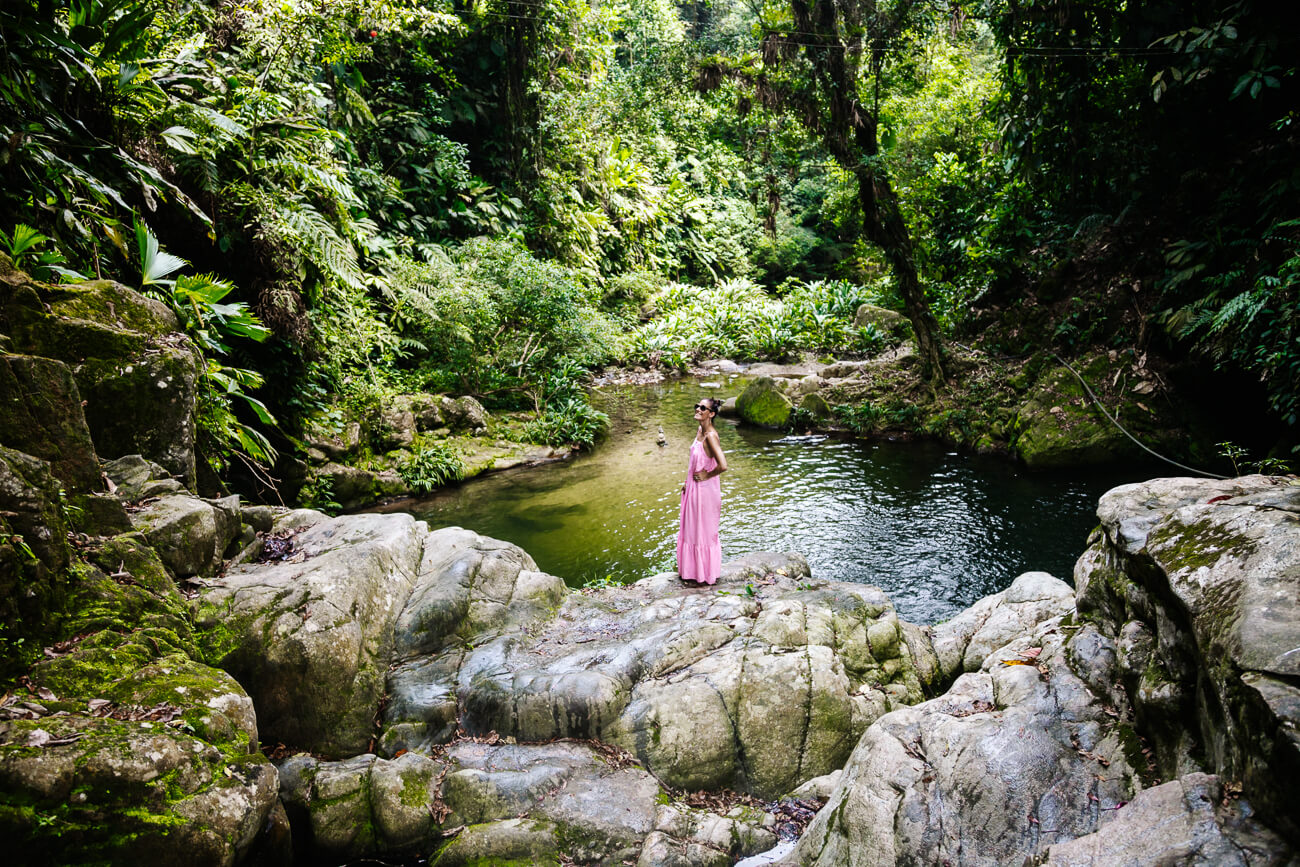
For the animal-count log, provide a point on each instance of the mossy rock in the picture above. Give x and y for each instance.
(130, 363)
(34, 555)
(128, 792)
(763, 404)
(41, 415)
(161, 386)
(815, 405)
(884, 319)
(1060, 426)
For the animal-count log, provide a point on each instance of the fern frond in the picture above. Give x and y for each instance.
(317, 177)
(316, 238)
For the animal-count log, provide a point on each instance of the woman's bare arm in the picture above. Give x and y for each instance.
(714, 446)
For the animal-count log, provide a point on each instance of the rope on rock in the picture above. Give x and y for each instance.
(1124, 431)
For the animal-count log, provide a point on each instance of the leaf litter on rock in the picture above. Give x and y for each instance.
(278, 547)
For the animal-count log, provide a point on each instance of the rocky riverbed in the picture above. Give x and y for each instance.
(200, 681)
(430, 693)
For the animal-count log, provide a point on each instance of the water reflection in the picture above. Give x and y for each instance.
(935, 529)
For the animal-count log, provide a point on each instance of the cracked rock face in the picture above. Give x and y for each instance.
(1013, 758)
(1200, 581)
(490, 803)
(759, 683)
(311, 637)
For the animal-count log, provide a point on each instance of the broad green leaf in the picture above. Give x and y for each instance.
(155, 264)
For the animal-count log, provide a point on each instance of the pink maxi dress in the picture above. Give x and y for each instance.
(699, 554)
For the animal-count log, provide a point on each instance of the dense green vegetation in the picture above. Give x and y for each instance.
(495, 198)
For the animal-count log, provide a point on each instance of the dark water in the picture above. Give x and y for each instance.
(935, 529)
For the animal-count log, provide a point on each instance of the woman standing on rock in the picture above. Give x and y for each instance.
(699, 554)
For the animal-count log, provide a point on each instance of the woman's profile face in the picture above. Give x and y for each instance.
(702, 410)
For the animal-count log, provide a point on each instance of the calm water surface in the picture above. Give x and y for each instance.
(935, 529)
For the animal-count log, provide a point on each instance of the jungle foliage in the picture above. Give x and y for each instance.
(495, 198)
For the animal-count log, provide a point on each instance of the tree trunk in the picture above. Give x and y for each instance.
(884, 225)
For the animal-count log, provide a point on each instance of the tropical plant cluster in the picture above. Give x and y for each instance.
(739, 319)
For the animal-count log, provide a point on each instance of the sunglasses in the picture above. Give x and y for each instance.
(703, 406)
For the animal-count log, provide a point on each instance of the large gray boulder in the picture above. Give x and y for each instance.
(758, 684)
(886, 320)
(144, 404)
(962, 643)
(1178, 659)
(29, 506)
(1199, 581)
(41, 415)
(463, 414)
(1189, 821)
(189, 534)
(311, 637)
(492, 802)
(1015, 757)
(137, 373)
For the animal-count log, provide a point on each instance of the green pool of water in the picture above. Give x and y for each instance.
(934, 528)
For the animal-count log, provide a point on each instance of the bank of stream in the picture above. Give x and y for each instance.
(934, 528)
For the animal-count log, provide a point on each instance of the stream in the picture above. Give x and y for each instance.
(934, 528)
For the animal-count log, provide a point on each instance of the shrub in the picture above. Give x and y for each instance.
(431, 466)
(571, 422)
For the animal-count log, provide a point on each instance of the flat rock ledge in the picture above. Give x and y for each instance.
(757, 684)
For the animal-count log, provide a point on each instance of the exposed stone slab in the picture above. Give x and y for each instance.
(311, 638)
(759, 683)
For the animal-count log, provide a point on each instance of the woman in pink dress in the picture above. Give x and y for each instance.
(699, 554)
